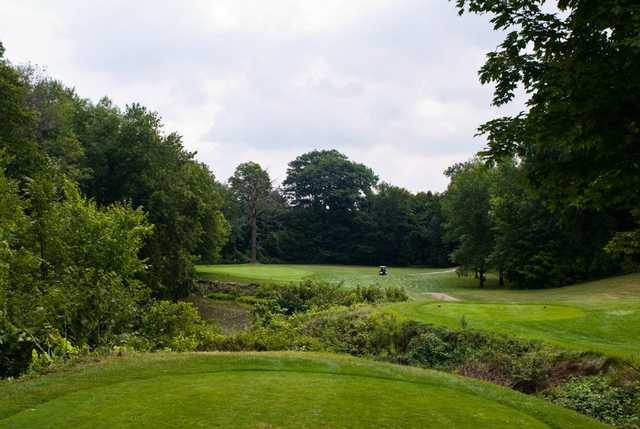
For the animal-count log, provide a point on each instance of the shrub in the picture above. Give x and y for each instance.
(369, 294)
(597, 397)
(222, 296)
(395, 294)
(429, 349)
(174, 326)
(55, 350)
(15, 349)
(307, 295)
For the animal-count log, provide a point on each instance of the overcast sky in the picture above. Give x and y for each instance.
(392, 84)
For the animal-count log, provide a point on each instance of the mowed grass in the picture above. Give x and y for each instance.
(601, 316)
(420, 279)
(268, 390)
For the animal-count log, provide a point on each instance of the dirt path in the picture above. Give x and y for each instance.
(442, 296)
(433, 273)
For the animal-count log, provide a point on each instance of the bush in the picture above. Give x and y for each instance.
(15, 349)
(301, 297)
(175, 326)
(222, 296)
(597, 397)
(429, 349)
(395, 294)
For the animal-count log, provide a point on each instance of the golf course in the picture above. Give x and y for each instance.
(346, 214)
(268, 390)
(601, 316)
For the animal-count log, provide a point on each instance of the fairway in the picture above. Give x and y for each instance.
(500, 312)
(264, 390)
(601, 316)
(414, 279)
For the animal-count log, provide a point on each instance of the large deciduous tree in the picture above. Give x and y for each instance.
(328, 181)
(131, 159)
(327, 192)
(579, 138)
(250, 185)
(469, 224)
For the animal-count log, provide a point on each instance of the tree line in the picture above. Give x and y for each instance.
(330, 209)
(101, 215)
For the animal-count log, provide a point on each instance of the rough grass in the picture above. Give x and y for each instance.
(230, 316)
(601, 316)
(267, 390)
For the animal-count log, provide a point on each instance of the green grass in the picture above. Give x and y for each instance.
(420, 279)
(601, 316)
(267, 390)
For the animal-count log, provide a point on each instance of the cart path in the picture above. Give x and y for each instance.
(433, 273)
(442, 296)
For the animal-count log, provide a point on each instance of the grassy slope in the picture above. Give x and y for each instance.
(260, 390)
(601, 316)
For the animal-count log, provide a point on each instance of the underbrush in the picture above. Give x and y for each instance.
(300, 297)
(159, 325)
(611, 400)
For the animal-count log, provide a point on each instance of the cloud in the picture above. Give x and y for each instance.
(393, 84)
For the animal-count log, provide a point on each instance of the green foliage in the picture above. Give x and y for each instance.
(626, 245)
(56, 350)
(536, 247)
(174, 326)
(16, 346)
(131, 159)
(428, 349)
(250, 186)
(598, 397)
(307, 295)
(327, 191)
(401, 228)
(327, 181)
(579, 137)
(468, 221)
(17, 137)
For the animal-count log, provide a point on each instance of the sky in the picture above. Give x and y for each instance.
(392, 84)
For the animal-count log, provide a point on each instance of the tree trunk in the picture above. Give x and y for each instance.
(501, 277)
(254, 237)
(482, 277)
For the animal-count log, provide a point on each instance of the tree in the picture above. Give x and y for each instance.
(327, 192)
(468, 222)
(426, 239)
(531, 244)
(579, 139)
(389, 225)
(327, 181)
(250, 185)
(17, 136)
(130, 159)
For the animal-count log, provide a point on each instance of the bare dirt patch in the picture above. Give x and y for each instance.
(442, 296)
(229, 315)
